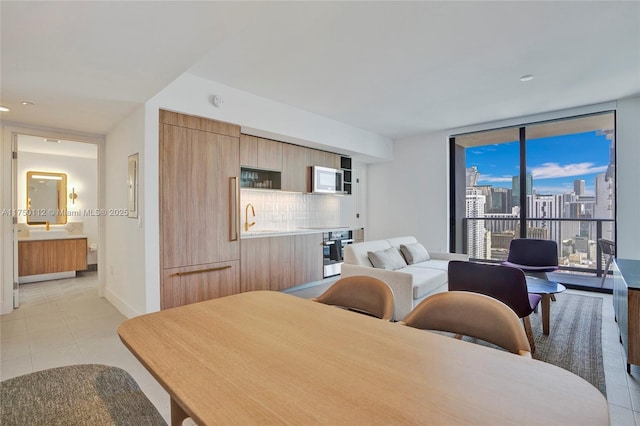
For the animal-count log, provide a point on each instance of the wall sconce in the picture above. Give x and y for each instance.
(73, 195)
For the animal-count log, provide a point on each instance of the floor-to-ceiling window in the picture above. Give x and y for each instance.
(552, 180)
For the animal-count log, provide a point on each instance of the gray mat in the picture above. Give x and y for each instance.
(89, 394)
(575, 339)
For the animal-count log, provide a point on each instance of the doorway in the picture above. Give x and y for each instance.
(55, 187)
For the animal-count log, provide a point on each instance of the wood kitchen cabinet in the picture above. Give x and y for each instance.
(191, 284)
(51, 256)
(199, 217)
(308, 265)
(260, 153)
(324, 159)
(280, 262)
(295, 168)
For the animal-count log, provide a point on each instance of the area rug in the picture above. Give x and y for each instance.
(575, 338)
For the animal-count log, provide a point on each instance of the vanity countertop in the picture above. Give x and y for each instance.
(40, 237)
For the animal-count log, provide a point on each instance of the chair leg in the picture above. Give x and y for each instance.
(606, 270)
(527, 328)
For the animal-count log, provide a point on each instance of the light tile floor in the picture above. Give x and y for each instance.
(64, 322)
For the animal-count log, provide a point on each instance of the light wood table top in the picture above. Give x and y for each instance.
(272, 358)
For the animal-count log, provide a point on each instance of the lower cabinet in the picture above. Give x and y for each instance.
(626, 306)
(277, 263)
(51, 256)
(181, 286)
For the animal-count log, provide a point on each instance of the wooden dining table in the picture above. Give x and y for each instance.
(271, 358)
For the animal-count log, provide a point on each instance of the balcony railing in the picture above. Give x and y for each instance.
(487, 239)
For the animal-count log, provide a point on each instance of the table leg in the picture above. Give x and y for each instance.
(177, 414)
(546, 307)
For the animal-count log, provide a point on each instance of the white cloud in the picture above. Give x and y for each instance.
(494, 179)
(554, 170)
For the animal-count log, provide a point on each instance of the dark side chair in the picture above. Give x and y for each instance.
(505, 283)
(608, 249)
(534, 257)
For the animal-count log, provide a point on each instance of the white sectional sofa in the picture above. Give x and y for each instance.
(410, 283)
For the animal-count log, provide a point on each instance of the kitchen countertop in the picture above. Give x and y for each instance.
(259, 233)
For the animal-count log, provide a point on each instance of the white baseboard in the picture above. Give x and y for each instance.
(124, 308)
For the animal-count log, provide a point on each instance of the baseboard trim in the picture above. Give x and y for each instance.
(124, 308)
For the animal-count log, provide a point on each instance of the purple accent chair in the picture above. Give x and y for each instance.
(534, 257)
(504, 283)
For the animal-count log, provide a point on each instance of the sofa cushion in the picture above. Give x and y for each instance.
(432, 263)
(397, 241)
(387, 259)
(425, 280)
(414, 253)
(356, 254)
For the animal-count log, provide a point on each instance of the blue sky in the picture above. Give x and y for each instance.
(555, 162)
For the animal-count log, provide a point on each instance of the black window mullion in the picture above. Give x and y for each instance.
(523, 183)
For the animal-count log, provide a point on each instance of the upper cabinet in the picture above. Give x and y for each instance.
(260, 153)
(324, 159)
(294, 161)
(295, 168)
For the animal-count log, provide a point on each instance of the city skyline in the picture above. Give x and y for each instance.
(554, 162)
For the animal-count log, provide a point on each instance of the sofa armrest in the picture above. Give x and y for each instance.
(401, 284)
(449, 256)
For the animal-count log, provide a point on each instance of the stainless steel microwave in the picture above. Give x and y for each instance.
(327, 181)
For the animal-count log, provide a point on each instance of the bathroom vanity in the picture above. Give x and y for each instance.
(51, 255)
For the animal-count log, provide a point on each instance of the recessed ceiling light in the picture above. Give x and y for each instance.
(4, 108)
(527, 77)
(27, 103)
(52, 140)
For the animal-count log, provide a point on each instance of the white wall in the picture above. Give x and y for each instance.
(408, 196)
(627, 181)
(125, 237)
(82, 174)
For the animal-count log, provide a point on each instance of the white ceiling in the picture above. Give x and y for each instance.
(394, 68)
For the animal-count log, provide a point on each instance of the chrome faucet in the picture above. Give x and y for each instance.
(248, 225)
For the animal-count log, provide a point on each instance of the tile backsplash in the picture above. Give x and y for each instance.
(288, 211)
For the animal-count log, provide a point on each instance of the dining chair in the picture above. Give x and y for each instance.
(362, 294)
(484, 318)
(535, 257)
(505, 283)
(607, 247)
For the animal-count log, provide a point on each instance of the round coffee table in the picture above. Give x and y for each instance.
(545, 289)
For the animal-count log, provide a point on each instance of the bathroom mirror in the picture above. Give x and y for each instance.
(46, 198)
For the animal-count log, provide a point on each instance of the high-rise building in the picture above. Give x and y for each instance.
(475, 205)
(578, 186)
(515, 185)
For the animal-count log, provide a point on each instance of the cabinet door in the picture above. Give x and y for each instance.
(255, 262)
(295, 165)
(248, 151)
(198, 199)
(282, 271)
(324, 159)
(308, 258)
(181, 286)
(269, 154)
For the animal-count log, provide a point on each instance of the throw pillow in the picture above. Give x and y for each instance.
(387, 259)
(414, 253)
